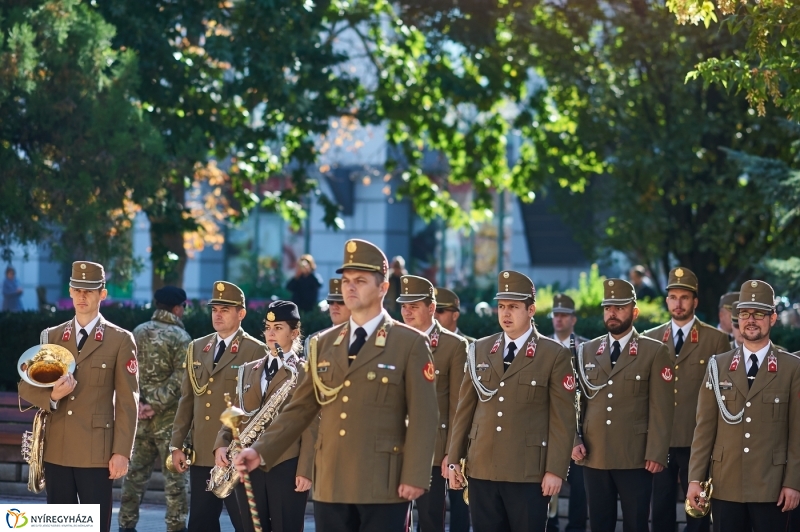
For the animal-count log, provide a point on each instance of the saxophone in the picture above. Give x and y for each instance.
(224, 479)
(33, 442)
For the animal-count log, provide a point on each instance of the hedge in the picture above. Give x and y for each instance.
(22, 330)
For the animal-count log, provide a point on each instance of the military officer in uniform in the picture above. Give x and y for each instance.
(212, 369)
(417, 306)
(448, 311)
(366, 378)
(690, 343)
(627, 384)
(89, 435)
(515, 421)
(336, 308)
(747, 437)
(564, 320)
(727, 304)
(161, 343)
(281, 493)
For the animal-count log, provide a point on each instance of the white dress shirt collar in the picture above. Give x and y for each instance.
(686, 329)
(622, 341)
(370, 327)
(519, 342)
(566, 343)
(228, 341)
(89, 328)
(430, 329)
(761, 354)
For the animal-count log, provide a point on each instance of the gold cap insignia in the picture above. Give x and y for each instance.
(351, 247)
(270, 316)
(83, 266)
(435, 292)
(336, 281)
(371, 376)
(405, 281)
(754, 284)
(220, 287)
(505, 275)
(679, 272)
(611, 283)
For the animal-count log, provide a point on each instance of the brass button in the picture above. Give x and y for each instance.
(208, 404)
(343, 415)
(676, 390)
(676, 378)
(746, 450)
(436, 371)
(676, 404)
(347, 383)
(499, 414)
(502, 384)
(72, 398)
(702, 361)
(500, 399)
(609, 409)
(208, 392)
(676, 366)
(610, 383)
(480, 377)
(107, 425)
(638, 378)
(236, 378)
(211, 379)
(444, 426)
(608, 422)
(748, 420)
(103, 366)
(342, 432)
(747, 403)
(385, 380)
(533, 383)
(207, 418)
(499, 429)
(610, 395)
(345, 399)
(746, 434)
(69, 412)
(395, 448)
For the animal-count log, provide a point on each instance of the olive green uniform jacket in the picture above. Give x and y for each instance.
(365, 449)
(752, 460)
(200, 413)
(528, 427)
(99, 417)
(689, 372)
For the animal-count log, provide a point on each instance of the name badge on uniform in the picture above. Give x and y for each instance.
(197, 363)
(323, 366)
(386, 366)
(725, 385)
(234, 367)
(589, 365)
(481, 367)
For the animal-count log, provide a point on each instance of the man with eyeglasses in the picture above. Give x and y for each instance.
(161, 344)
(690, 343)
(748, 425)
(417, 305)
(337, 310)
(448, 311)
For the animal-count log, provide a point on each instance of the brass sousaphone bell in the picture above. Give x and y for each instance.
(705, 505)
(42, 365)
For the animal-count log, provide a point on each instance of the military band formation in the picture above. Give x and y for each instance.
(372, 414)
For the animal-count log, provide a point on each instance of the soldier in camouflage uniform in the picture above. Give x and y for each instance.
(162, 344)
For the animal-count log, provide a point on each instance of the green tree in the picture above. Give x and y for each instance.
(76, 155)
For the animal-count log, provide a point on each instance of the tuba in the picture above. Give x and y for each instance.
(41, 366)
(705, 506)
(224, 479)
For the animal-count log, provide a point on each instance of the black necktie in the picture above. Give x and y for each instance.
(509, 358)
(751, 373)
(273, 369)
(358, 343)
(679, 342)
(614, 352)
(83, 339)
(220, 350)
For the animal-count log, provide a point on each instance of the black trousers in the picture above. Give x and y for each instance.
(634, 487)
(342, 517)
(84, 485)
(459, 511)
(280, 507)
(507, 506)
(205, 508)
(665, 494)
(430, 507)
(746, 516)
(578, 511)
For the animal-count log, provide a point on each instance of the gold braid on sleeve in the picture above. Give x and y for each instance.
(198, 390)
(324, 394)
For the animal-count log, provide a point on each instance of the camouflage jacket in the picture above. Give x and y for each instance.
(161, 344)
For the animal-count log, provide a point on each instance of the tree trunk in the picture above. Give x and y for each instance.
(167, 227)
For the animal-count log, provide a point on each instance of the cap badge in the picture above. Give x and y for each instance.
(679, 273)
(352, 247)
(405, 280)
(270, 316)
(505, 275)
(754, 284)
(83, 266)
(220, 287)
(611, 283)
(436, 291)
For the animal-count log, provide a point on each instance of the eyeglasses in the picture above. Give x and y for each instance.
(332, 303)
(744, 315)
(443, 310)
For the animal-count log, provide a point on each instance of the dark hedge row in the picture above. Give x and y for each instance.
(21, 330)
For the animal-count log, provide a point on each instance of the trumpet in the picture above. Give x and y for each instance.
(43, 365)
(190, 456)
(705, 504)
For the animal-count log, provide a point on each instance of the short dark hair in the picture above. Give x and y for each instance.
(528, 302)
(164, 306)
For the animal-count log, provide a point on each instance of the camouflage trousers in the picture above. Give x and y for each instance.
(150, 445)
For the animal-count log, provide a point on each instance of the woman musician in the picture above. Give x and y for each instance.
(282, 492)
